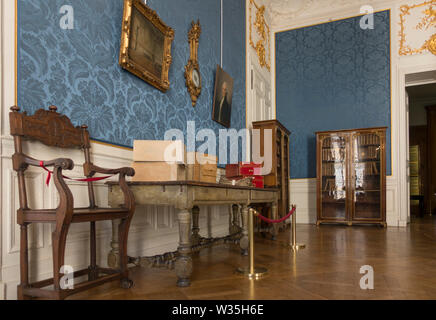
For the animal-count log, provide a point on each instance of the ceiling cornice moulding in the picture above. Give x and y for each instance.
(288, 12)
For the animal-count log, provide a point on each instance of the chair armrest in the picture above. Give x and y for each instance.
(91, 169)
(64, 211)
(129, 198)
(21, 162)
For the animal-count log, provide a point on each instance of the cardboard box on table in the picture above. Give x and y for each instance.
(159, 161)
(158, 171)
(159, 151)
(201, 167)
(169, 161)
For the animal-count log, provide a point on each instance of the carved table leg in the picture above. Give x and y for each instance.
(195, 238)
(183, 266)
(113, 259)
(275, 216)
(244, 240)
(234, 220)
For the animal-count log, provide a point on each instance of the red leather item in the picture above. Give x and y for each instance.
(258, 182)
(241, 170)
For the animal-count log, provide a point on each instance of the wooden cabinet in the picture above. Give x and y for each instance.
(351, 176)
(279, 176)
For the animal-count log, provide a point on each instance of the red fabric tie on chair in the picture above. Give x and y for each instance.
(47, 181)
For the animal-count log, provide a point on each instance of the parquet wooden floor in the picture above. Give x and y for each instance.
(404, 262)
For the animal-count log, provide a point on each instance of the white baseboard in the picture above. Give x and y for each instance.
(303, 195)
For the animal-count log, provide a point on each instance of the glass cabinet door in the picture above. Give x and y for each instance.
(333, 177)
(366, 150)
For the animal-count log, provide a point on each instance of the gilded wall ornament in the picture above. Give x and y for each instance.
(431, 44)
(192, 69)
(428, 21)
(262, 45)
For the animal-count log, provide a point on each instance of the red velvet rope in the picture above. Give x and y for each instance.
(47, 181)
(280, 220)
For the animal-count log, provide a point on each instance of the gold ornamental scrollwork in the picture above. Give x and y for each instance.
(192, 69)
(428, 21)
(431, 44)
(262, 46)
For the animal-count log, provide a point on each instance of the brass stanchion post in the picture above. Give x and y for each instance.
(252, 272)
(293, 241)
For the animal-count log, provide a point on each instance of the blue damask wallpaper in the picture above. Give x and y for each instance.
(78, 71)
(332, 76)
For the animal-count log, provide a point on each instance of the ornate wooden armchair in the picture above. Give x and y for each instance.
(54, 129)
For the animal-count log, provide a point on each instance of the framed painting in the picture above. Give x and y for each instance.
(222, 101)
(146, 44)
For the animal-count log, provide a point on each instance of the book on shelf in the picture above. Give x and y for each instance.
(333, 154)
(333, 142)
(366, 168)
(368, 139)
(332, 169)
(371, 152)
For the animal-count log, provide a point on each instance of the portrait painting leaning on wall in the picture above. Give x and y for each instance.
(222, 102)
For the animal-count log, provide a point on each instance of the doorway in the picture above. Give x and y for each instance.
(422, 159)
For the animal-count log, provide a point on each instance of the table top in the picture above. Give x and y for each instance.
(193, 184)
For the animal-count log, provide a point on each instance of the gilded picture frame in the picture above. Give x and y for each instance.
(146, 44)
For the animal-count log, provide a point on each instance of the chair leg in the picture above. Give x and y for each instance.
(24, 263)
(59, 239)
(124, 226)
(93, 267)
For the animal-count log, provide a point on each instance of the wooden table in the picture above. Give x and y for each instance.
(186, 196)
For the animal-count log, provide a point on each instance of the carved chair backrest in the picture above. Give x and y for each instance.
(52, 129)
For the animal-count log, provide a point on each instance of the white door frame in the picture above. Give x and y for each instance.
(2, 287)
(402, 131)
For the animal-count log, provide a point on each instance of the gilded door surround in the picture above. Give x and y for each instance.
(428, 20)
(262, 45)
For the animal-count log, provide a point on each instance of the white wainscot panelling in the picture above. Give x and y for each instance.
(392, 210)
(36, 200)
(303, 195)
(154, 229)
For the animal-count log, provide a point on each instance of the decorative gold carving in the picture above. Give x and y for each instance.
(162, 83)
(429, 20)
(263, 31)
(192, 69)
(431, 44)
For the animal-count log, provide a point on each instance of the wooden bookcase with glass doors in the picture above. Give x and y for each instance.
(351, 176)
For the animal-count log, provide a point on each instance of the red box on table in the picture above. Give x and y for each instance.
(258, 182)
(243, 170)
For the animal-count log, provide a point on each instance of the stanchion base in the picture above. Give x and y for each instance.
(297, 247)
(258, 272)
